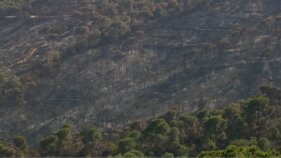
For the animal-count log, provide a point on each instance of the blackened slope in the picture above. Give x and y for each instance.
(212, 53)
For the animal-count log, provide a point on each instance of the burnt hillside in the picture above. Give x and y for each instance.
(106, 62)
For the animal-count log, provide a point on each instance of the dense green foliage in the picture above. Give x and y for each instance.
(234, 151)
(249, 128)
(116, 19)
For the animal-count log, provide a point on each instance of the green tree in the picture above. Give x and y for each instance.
(133, 154)
(91, 135)
(7, 151)
(127, 144)
(49, 146)
(234, 151)
(236, 125)
(158, 126)
(20, 142)
(135, 134)
(264, 144)
(64, 133)
(174, 136)
(180, 150)
(254, 112)
(212, 124)
(162, 128)
(168, 155)
(244, 142)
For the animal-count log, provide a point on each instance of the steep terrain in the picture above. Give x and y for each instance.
(202, 53)
(236, 130)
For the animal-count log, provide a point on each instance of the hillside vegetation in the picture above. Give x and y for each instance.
(249, 128)
(13, 4)
(107, 63)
